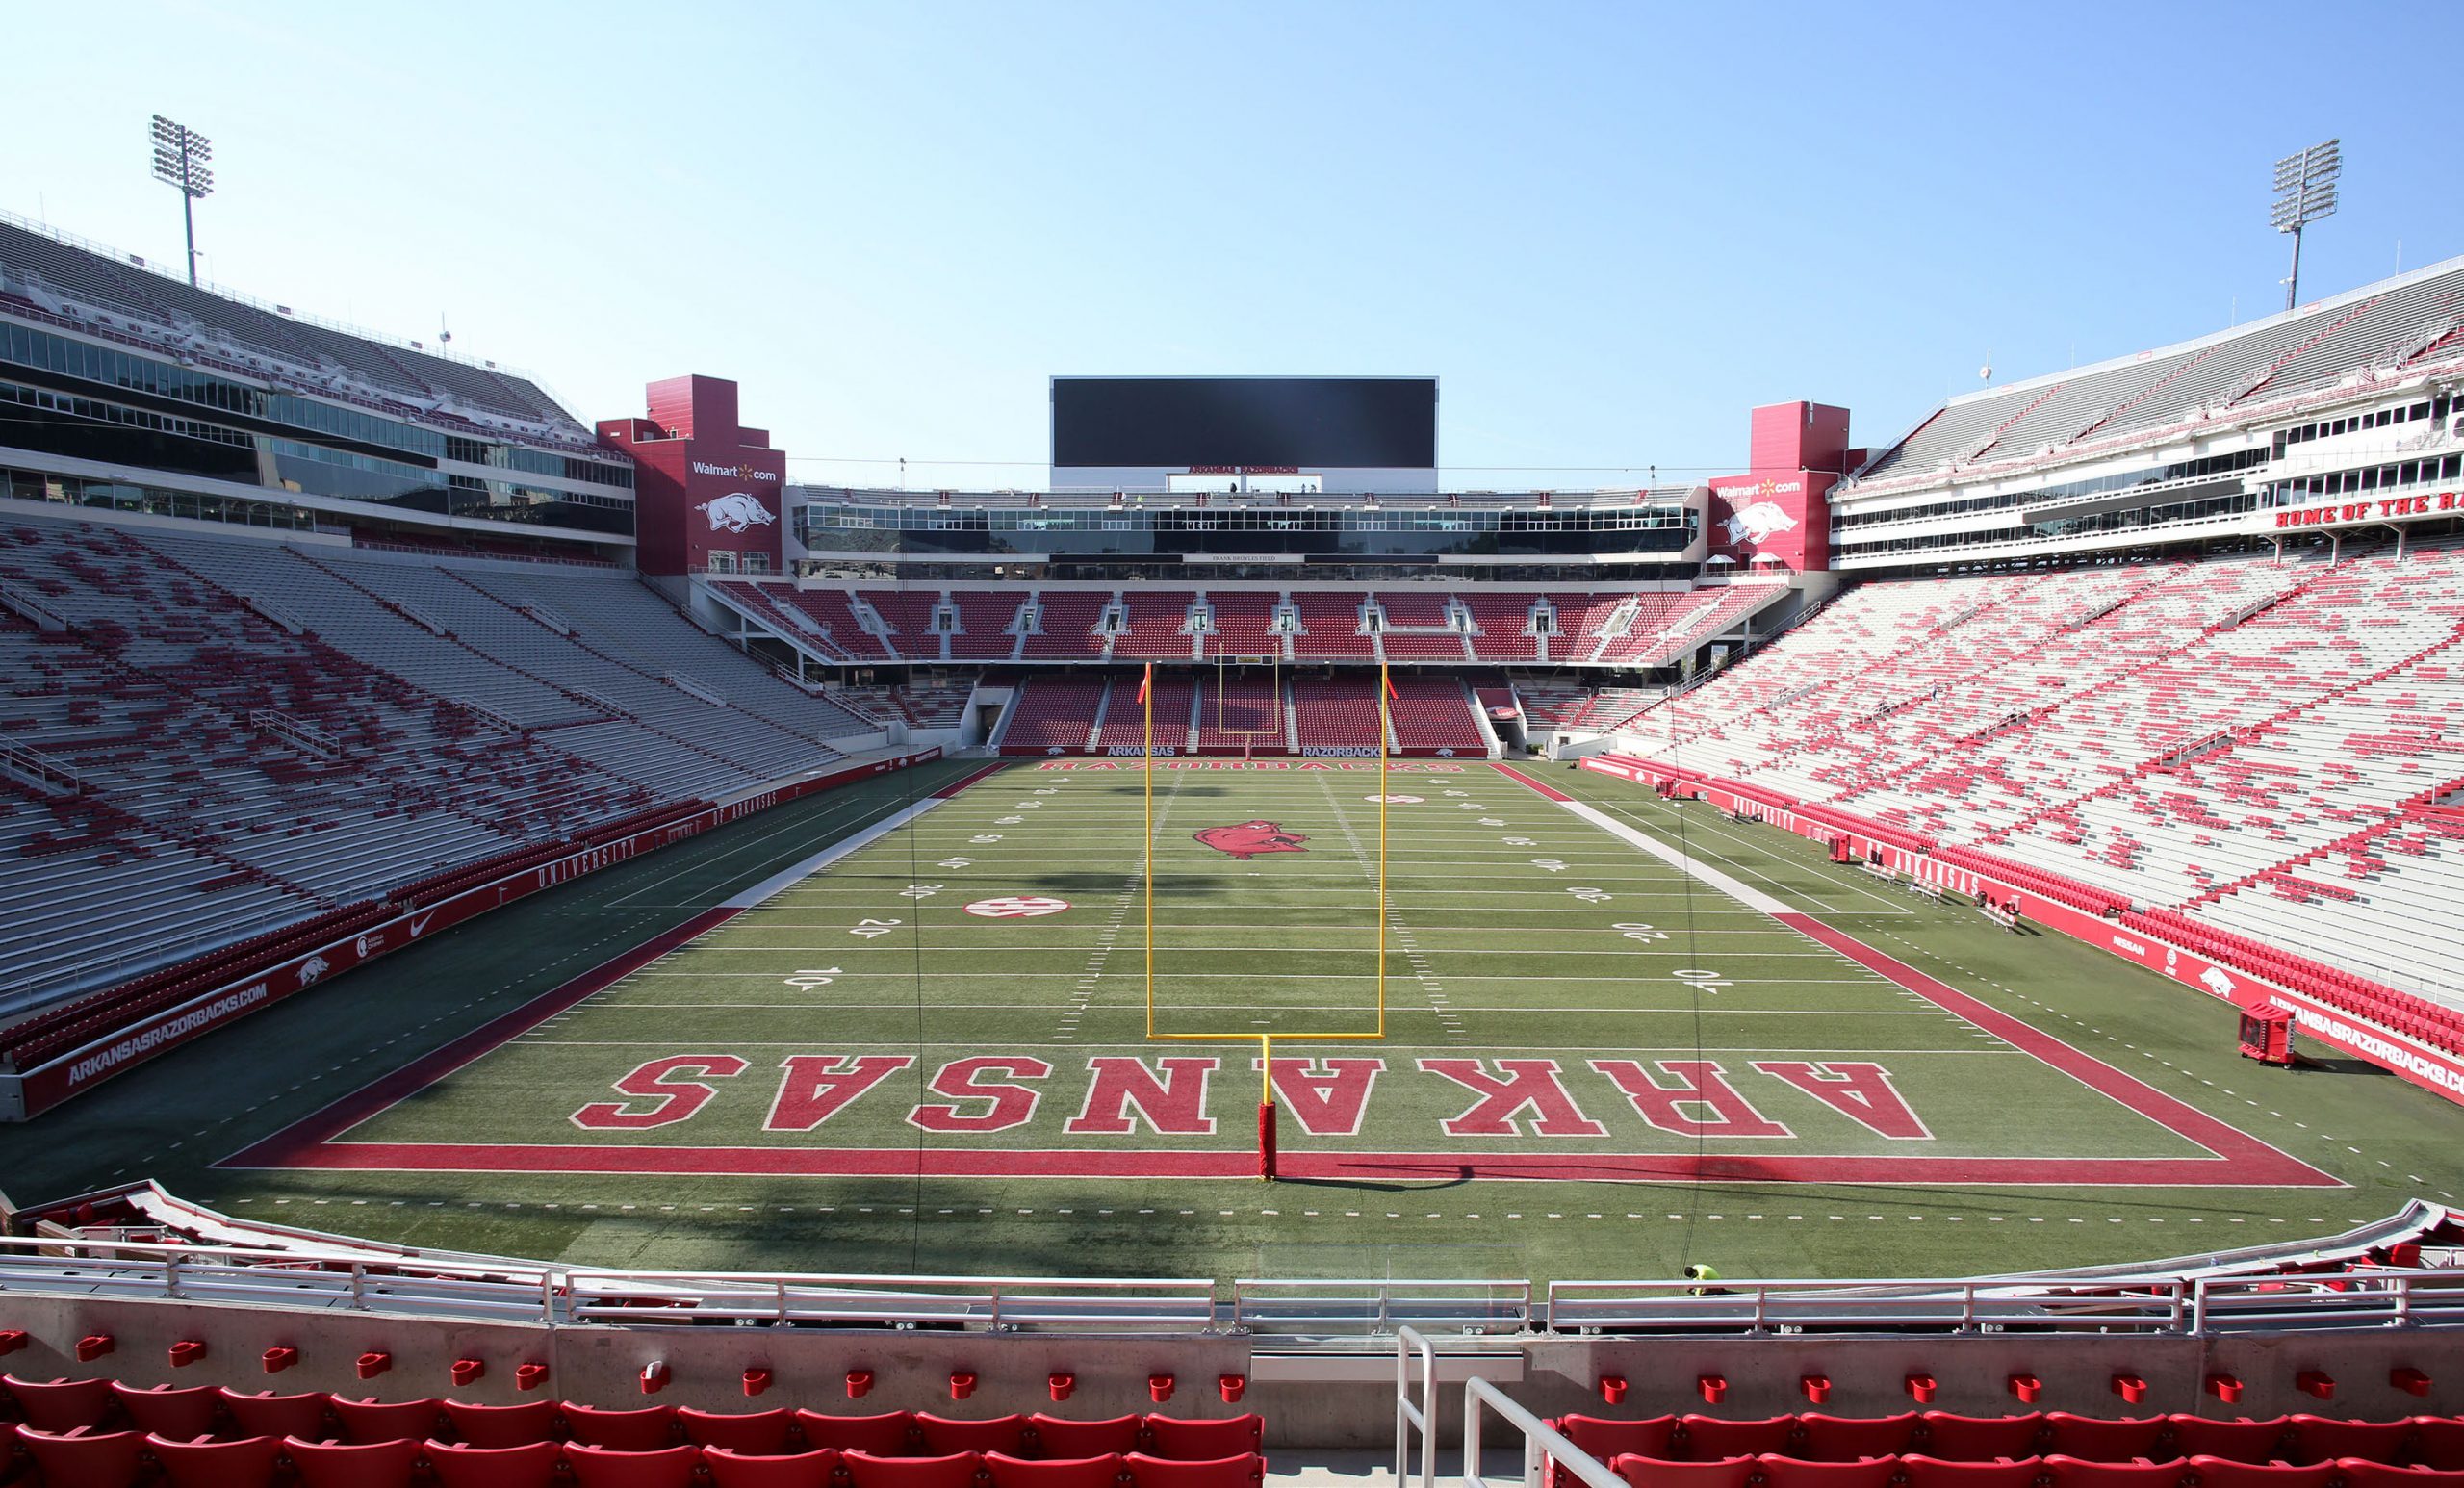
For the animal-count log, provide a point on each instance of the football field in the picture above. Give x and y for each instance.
(963, 992)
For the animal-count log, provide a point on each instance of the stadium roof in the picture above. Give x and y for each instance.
(55, 273)
(2389, 325)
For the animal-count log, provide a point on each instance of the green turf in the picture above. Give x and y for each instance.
(1492, 955)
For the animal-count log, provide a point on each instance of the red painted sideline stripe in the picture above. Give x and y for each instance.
(2246, 1154)
(964, 782)
(1549, 791)
(304, 1135)
(1346, 1167)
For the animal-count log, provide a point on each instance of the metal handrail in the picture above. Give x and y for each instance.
(1540, 1440)
(1408, 1416)
(1491, 1305)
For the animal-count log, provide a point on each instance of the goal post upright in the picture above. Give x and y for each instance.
(1267, 1112)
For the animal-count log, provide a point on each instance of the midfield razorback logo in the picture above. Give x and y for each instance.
(1245, 841)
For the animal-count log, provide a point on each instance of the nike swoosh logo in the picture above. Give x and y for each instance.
(420, 923)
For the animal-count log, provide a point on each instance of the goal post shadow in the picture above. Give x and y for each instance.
(1267, 1116)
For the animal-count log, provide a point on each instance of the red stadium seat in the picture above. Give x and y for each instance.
(1947, 1436)
(2240, 1440)
(246, 1463)
(601, 1467)
(181, 1413)
(885, 1435)
(2361, 1473)
(387, 1421)
(86, 1459)
(2067, 1472)
(1710, 1439)
(1651, 1437)
(1781, 1472)
(61, 1404)
(532, 1465)
(759, 1433)
(1098, 1472)
(734, 1469)
(1204, 1440)
(352, 1465)
(944, 1435)
(2232, 1473)
(2324, 1438)
(1923, 1471)
(269, 1414)
(1246, 1471)
(1822, 1438)
(2438, 1442)
(647, 1429)
(1663, 1472)
(502, 1426)
(1057, 1437)
(957, 1470)
(2101, 1438)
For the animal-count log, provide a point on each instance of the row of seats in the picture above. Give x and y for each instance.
(2421, 1440)
(858, 625)
(1059, 713)
(121, 1459)
(2180, 735)
(2051, 1471)
(210, 1412)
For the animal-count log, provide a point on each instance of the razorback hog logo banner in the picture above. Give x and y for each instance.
(1245, 841)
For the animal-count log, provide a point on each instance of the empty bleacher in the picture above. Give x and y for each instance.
(273, 731)
(2248, 744)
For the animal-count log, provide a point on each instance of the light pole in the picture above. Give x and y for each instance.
(180, 154)
(2305, 190)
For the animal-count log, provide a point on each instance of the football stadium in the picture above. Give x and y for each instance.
(1926, 958)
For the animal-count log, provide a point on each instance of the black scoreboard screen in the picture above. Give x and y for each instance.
(1297, 423)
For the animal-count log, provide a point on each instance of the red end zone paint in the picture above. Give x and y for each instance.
(2246, 1154)
(1513, 774)
(964, 781)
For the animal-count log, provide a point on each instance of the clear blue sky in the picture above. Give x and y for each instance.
(1610, 229)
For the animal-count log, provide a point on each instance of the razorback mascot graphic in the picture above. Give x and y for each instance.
(1245, 841)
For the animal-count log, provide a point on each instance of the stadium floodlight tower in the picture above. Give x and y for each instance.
(180, 155)
(2305, 190)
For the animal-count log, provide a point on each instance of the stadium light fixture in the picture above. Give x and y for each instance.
(2305, 190)
(180, 155)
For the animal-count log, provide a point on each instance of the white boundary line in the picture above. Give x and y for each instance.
(789, 877)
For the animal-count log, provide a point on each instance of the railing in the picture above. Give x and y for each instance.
(297, 733)
(30, 608)
(1378, 1307)
(693, 689)
(549, 618)
(1541, 1442)
(40, 771)
(322, 1273)
(984, 1304)
(1411, 1416)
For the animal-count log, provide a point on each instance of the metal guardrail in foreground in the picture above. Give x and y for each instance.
(1411, 1416)
(1540, 1440)
(1379, 1307)
(336, 1277)
(983, 1303)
